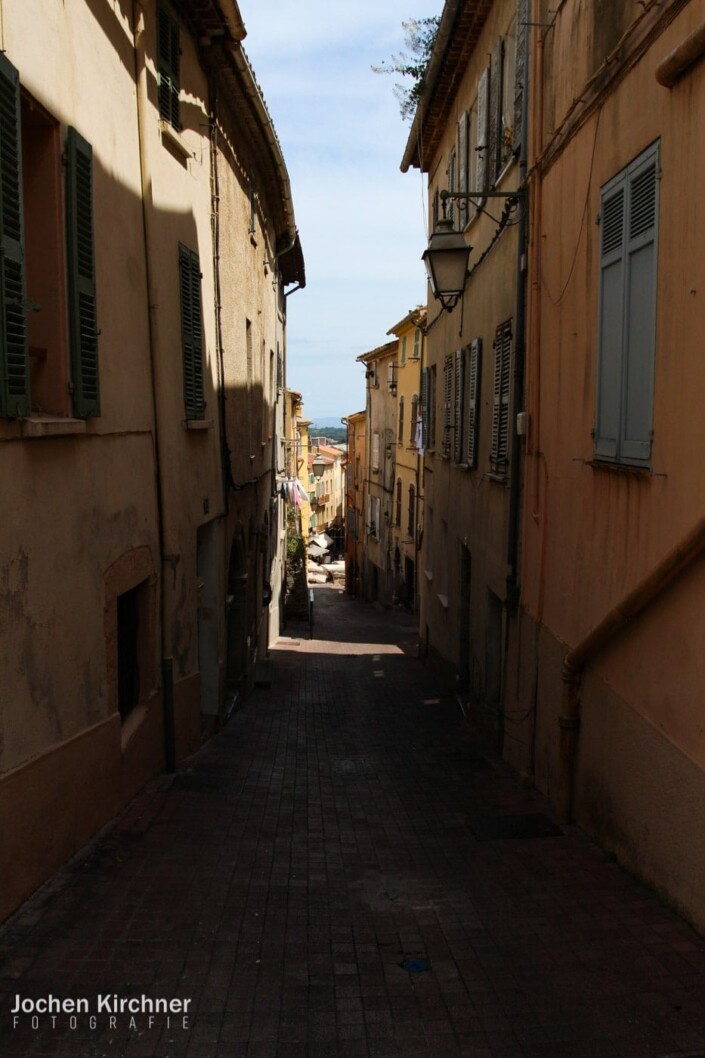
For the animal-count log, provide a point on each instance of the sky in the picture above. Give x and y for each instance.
(361, 220)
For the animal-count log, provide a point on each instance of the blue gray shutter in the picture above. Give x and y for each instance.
(169, 67)
(611, 318)
(14, 362)
(83, 324)
(472, 417)
(640, 309)
(191, 341)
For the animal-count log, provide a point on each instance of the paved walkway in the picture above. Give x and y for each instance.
(329, 878)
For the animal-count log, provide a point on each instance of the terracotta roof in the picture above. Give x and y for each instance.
(462, 22)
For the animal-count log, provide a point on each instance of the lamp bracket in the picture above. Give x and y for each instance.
(519, 193)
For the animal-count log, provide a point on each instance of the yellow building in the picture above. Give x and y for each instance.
(467, 135)
(355, 504)
(378, 575)
(407, 519)
(141, 548)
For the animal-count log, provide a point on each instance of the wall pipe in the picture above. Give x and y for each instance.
(519, 341)
(661, 577)
(142, 96)
(679, 61)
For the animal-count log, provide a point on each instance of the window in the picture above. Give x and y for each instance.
(45, 263)
(500, 401)
(191, 342)
(403, 349)
(169, 61)
(458, 406)
(417, 344)
(428, 407)
(462, 155)
(400, 435)
(414, 423)
(471, 401)
(373, 515)
(397, 516)
(411, 524)
(447, 405)
(627, 314)
(452, 185)
(375, 450)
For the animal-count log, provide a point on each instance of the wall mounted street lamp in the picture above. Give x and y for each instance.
(318, 466)
(446, 257)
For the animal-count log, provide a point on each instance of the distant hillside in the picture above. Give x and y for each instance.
(333, 433)
(327, 421)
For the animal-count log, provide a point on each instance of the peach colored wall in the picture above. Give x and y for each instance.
(591, 533)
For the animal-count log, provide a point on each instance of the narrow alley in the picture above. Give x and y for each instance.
(346, 870)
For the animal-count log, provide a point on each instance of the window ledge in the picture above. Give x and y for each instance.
(198, 424)
(619, 468)
(501, 479)
(169, 133)
(50, 426)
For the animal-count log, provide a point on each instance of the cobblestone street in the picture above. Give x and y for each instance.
(338, 873)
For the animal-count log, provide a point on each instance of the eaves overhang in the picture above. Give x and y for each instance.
(218, 26)
(377, 354)
(459, 31)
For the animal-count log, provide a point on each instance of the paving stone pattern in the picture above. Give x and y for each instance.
(323, 880)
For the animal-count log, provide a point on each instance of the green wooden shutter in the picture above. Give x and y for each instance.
(14, 362)
(611, 318)
(473, 401)
(640, 309)
(83, 327)
(191, 341)
(169, 68)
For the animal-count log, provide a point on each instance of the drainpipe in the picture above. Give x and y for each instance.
(519, 344)
(141, 81)
(602, 635)
(225, 450)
